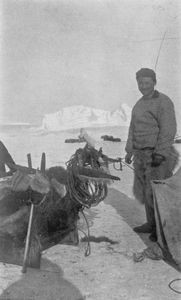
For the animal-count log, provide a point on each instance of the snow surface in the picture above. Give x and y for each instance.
(82, 116)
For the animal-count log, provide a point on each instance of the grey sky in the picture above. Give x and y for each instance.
(62, 53)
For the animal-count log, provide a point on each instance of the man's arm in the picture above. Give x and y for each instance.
(167, 126)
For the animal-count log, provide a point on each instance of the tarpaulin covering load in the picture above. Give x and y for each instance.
(167, 206)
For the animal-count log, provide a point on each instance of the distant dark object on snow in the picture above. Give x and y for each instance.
(79, 140)
(110, 138)
(177, 141)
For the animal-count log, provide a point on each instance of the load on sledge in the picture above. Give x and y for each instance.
(39, 209)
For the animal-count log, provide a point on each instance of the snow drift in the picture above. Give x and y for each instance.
(82, 116)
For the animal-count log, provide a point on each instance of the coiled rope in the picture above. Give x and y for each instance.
(87, 192)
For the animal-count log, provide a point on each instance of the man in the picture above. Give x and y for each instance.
(150, 144)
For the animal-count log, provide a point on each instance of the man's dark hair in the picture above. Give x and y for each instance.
(145, 72)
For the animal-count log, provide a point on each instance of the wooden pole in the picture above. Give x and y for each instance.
(29, 160)
(43, 163)
(27, 244)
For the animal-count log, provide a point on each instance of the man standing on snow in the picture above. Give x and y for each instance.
(150, 144)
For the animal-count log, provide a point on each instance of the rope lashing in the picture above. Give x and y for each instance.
(86, 181)
(86, 191)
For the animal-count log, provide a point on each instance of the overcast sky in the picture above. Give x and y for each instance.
(62, 53)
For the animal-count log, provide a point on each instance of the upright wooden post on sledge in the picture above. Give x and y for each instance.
(27, 244)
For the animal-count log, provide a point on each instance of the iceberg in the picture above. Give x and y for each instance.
(80, 116)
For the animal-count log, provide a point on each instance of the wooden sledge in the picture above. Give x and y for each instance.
(32, 215)
(39, 209)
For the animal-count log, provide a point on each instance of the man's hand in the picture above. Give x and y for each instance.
(157, 159)
(128, 158)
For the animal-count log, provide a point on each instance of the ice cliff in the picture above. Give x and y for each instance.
(82, 116)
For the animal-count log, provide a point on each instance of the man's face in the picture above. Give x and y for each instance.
(146, 86)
